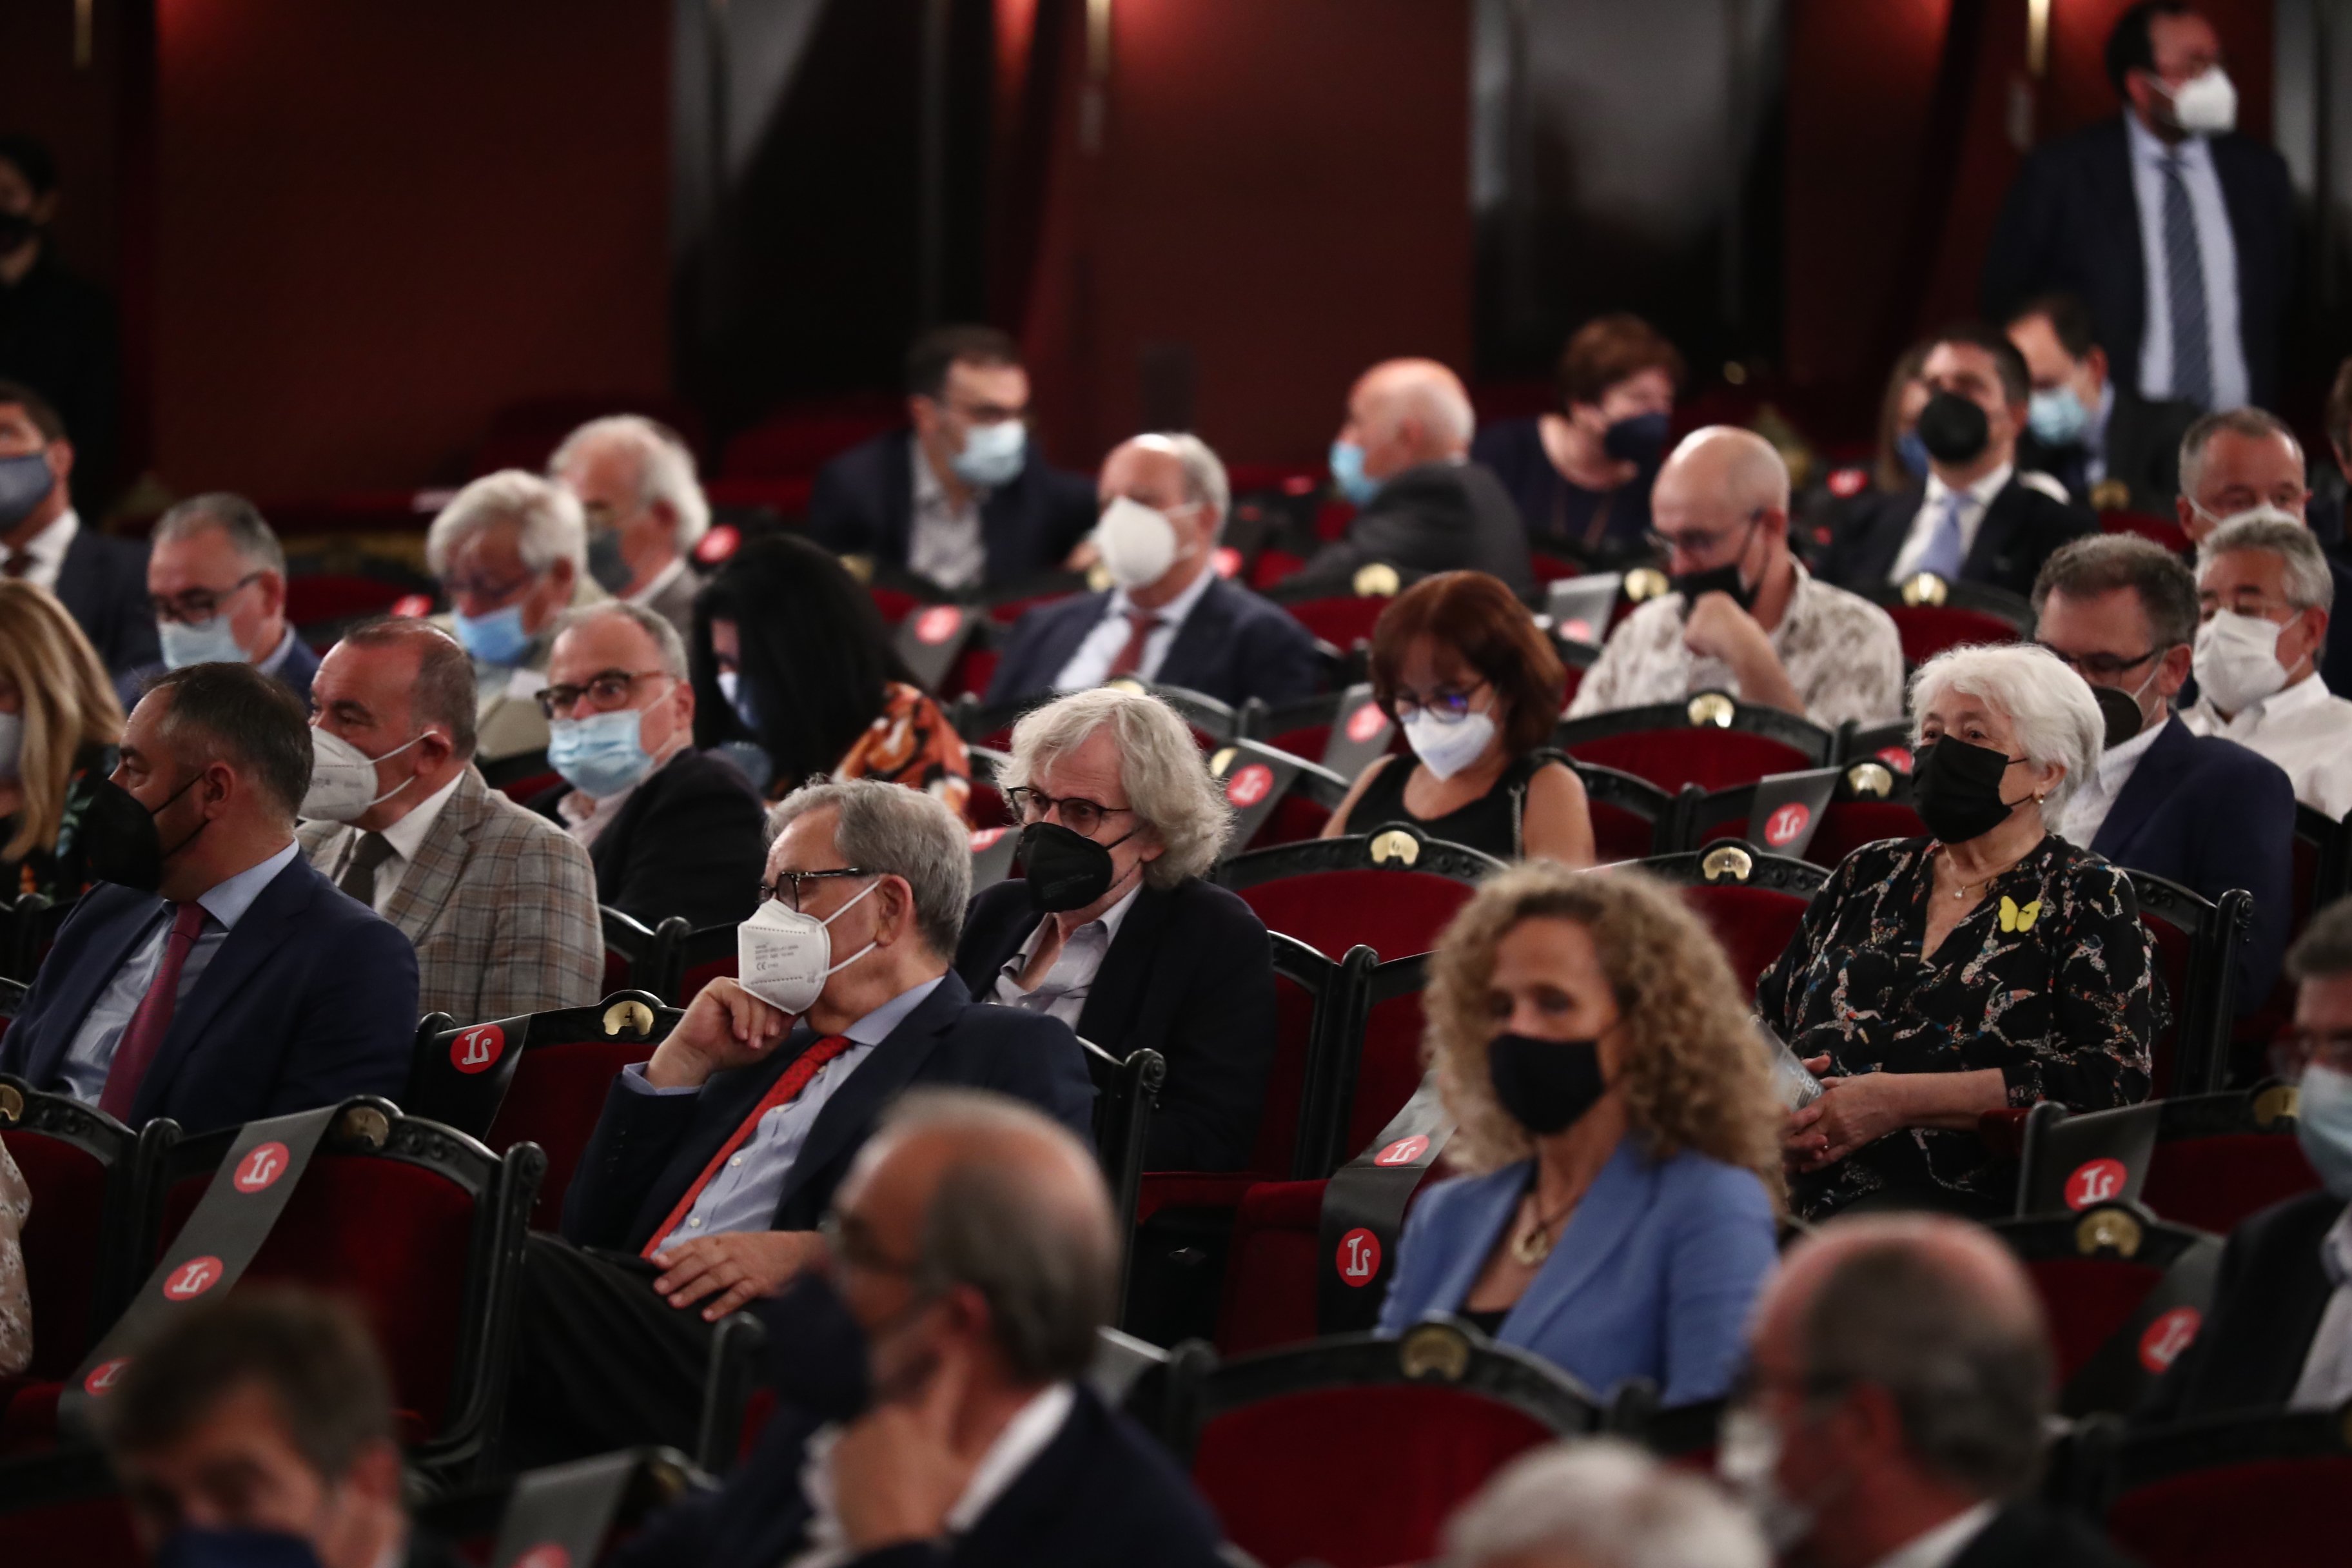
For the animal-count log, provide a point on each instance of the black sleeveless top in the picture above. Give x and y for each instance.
(1490, 822)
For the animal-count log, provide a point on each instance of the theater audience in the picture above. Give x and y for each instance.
(975, 1257)
(2266, 595)
(1458, 663)
(1114, 932)
(961, 496)
(16, 1297)
(223, 979)
(2205, 812)
(1992, 963)
(101, 579)
(1617, 1123)
(1744, 615)
(715, 1160)
(58, 725)
(1169, 617)
(1974, 519)
(2278, 1334)
(2113, 449)
(1581, 473)
(265, 1413)
(2178, 232)
(500, 904)
(644, 510)
(791, 656)
(56, 327)
(216, 575)
(1402, 456)
(1600, 1503)
(1898, 461)
(670, 830)
(1897, 1404)
(511, 553)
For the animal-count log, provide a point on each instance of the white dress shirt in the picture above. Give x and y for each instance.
(2327, 1381)
(2305, 729)
(48, 549)
(1091, 664)
(225, 903)
(406, 836)
(1975, 500)
(944, 540)
(584, 818)
(1941, 1545)
(2086, 810)
(2216, 248)
(1062, 993)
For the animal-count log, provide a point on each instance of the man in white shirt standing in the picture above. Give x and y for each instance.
(644, 509)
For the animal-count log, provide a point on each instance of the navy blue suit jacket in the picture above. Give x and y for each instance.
(310, 999)
(2022, 529)
(863, 504)
(1234, 645)
(102, 584)
(2212, 815)
(301, 664)
(648, 1149)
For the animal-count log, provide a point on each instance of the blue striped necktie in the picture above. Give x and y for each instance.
(1943, 556)
(2184, 268)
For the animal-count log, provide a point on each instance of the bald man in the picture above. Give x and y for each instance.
(1899, 1381)
(1744, 616)
(1423, 506)
(973, 1261)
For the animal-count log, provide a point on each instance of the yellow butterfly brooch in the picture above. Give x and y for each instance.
(2014, 918)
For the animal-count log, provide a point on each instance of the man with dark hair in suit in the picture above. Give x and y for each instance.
(101, 580)
(218, 576)
(1171, 619)
(2113, 449)
(960, 496)
(2176, 231)
(1975, 519)
(223, 979)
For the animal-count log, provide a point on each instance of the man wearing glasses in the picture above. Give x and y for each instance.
(216, 576)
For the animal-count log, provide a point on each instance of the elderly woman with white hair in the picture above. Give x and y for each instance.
(1600, 1503)
(1113, 929)
(1989, 964)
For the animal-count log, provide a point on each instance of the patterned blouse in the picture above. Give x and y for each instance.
(2051, 978)
(912, 744)
(61, 874)
(16, 1304)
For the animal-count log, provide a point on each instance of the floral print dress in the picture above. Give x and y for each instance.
(912, 744)
(16, 1302)
(2051, 979)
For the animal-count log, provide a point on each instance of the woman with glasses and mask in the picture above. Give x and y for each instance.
(59, 722)
(1989, 964)
(1457, 662)
(1112, 928)
(1614, 1113)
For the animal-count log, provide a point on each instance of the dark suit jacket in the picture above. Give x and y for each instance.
(102, 582)
(1191, 976)
(295, 674)
(1234, 645)
(2267, 1307)
(1100, 1493)
(2033, 1535)
(648, 1149)
(2021, 529)
(1438, 517)
(2143, 453)
(2072, 224)
(2212, 815)
(310, 999)
(863, 504)
(687, 842)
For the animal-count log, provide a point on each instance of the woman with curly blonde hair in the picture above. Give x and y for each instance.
(59, 721)
(1614, 1112)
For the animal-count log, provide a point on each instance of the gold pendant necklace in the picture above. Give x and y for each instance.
(1532, 1246)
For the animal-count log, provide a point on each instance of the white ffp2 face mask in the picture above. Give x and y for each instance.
(342, 778)
(1137, 542)
(2236, 660)
(2207, 104)
(1443, 748)
(1747, 1461)
(785, 957)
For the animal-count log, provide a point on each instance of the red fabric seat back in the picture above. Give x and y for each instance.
(522, 790)
(1294, 820)
(1341, 622)
(1285, 1083)
(1388, 1071)
(986, 807)
(1848, 825)
(315, 596)
(617, 976)
(1309, 742)
(2214, 1183)
(893, 603)
(1269, 1297)
(2087, 1299)
(87, 1532)
(1927, 630)
(1709, 757)
(702, 974)
(1754, 925)
(1354, 1477)
(797, 442)
(1620, 835)
(63, 1239)
(1396, 913)
(974, 667)
(2265, 1511)
(557, 1094)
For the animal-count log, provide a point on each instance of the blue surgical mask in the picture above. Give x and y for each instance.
(207, 642)
(1348, 473)
(1912, 453)
(599, 755)
(2056, 416)
(24, 483)
(495, 639)
(2323, 1125)
(992, 454)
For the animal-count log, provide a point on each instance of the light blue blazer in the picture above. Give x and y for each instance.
(1653, 1277)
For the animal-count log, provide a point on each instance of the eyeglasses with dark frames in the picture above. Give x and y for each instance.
(2298, 1048)
(2099, 665)
(607, 690)
(787, 885)
(198, 605)
(1447, 704)
(1079, 814)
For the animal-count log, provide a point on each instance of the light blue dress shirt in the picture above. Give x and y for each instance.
(2217, 248)
(92, 1051)
(744, 1195)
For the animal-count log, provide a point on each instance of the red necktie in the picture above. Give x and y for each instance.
(18, 564)
(784, 1092)
(141, 1038)
(1130, 658)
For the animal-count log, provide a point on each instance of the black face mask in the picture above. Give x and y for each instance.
(1953, 429)
(1639, 438)
(605, 562)
(2122, 712)
(1546, 1085)
(1956, 789)
(1065, 870)
(120, 838)
(24, 483)
(1724, 578)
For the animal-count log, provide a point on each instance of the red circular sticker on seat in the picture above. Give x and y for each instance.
(413, 606)
(546, 1554)
(1404, 1152)
(193, 1279)
(1250, 785)
(1578, 630)
(718, 545)
(1226, 560)
(1897, 757)
(938, 624)
(2095, 1182)
(1783, 826)
(1366, 722)
(478, 1048)
(1846, 483)
(1359, 1257)
(104, 1376)
(261, 1168)
(986, 838)
(2168, 1337)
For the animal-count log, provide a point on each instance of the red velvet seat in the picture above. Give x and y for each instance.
(1334, 894)
(85, 1531)
(1927, 630)
(799, 439)
(2208, 1162)
(69, 1229)
(2218, 1182)
(1343, 622)
(314, 597)
(1848, 825)
(1754, 924)
(2261, 1488)
(2086, 1300)
(1707, 757)
(1271, 1270)
(2093, 1272)
(557, 1094)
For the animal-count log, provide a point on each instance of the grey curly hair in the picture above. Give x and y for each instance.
(1165, 779)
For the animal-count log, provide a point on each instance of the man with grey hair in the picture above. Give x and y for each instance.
(714, 1160)
(644, 510)
(1600, 1503)
(2265, 593)
(671, 830)
(1171, 616)
(1402, 456)
(511, 553)
(1899, 1388)
(932, 1398)
(216, 577)
(2238, 462)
